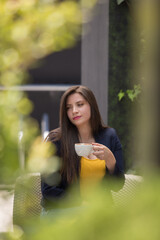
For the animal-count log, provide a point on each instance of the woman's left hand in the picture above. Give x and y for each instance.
(104, 153)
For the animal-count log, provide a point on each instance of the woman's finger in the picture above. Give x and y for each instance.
(96, 144)
(97, 148)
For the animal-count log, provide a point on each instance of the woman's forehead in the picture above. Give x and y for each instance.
(75, 97)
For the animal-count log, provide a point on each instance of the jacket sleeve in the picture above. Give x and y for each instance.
(50, 192)
(116, 148)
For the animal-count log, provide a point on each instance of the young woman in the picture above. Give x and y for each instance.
(80, 122)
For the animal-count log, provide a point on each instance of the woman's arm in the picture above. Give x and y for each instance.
(50, 194)
(112, 147)
(54, 190)
(104, 153)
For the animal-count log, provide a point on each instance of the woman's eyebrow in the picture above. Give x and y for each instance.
(69, 104)
(79, 101)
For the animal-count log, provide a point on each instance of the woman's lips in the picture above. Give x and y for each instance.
(76, 118)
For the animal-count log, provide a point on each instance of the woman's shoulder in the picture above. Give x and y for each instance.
(109, 131)
(107, 137)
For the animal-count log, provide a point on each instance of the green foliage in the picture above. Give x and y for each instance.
(29, 30)
(120, 1)
(121, 95)
(120, 77)
(32, 29)
(138, 218)
(131, 93)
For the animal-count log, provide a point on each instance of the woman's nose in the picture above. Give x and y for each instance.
(74, 109)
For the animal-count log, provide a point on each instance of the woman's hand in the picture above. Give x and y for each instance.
(104, 153)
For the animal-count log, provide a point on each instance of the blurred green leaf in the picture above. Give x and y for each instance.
(99, 217)
(120, 1)
(133, 93)
(121, 95)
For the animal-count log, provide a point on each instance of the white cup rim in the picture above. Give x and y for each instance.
(83, 143)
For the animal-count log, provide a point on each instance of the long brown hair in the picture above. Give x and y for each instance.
(67, 133)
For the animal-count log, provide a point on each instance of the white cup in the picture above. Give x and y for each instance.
(83, 149)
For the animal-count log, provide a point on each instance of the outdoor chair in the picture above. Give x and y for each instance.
(27, 195)
(129, 190)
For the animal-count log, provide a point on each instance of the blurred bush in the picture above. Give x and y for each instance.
(99, 219)
(29, 30)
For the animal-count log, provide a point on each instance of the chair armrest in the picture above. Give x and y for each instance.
(129, 190)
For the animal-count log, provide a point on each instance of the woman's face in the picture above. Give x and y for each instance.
(78, 110)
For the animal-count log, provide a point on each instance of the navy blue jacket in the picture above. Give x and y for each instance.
(107, 137)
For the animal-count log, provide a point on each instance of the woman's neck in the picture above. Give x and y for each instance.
(85, 135)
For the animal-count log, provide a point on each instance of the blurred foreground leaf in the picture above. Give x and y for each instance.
(29, 30)
(100, 219)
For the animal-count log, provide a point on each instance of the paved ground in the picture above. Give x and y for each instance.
(6, 209)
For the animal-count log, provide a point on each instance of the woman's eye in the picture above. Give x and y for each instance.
(80, 104)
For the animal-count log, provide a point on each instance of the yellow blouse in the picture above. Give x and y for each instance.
(92, 171)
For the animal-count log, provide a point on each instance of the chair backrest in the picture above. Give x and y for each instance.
(27, 197)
